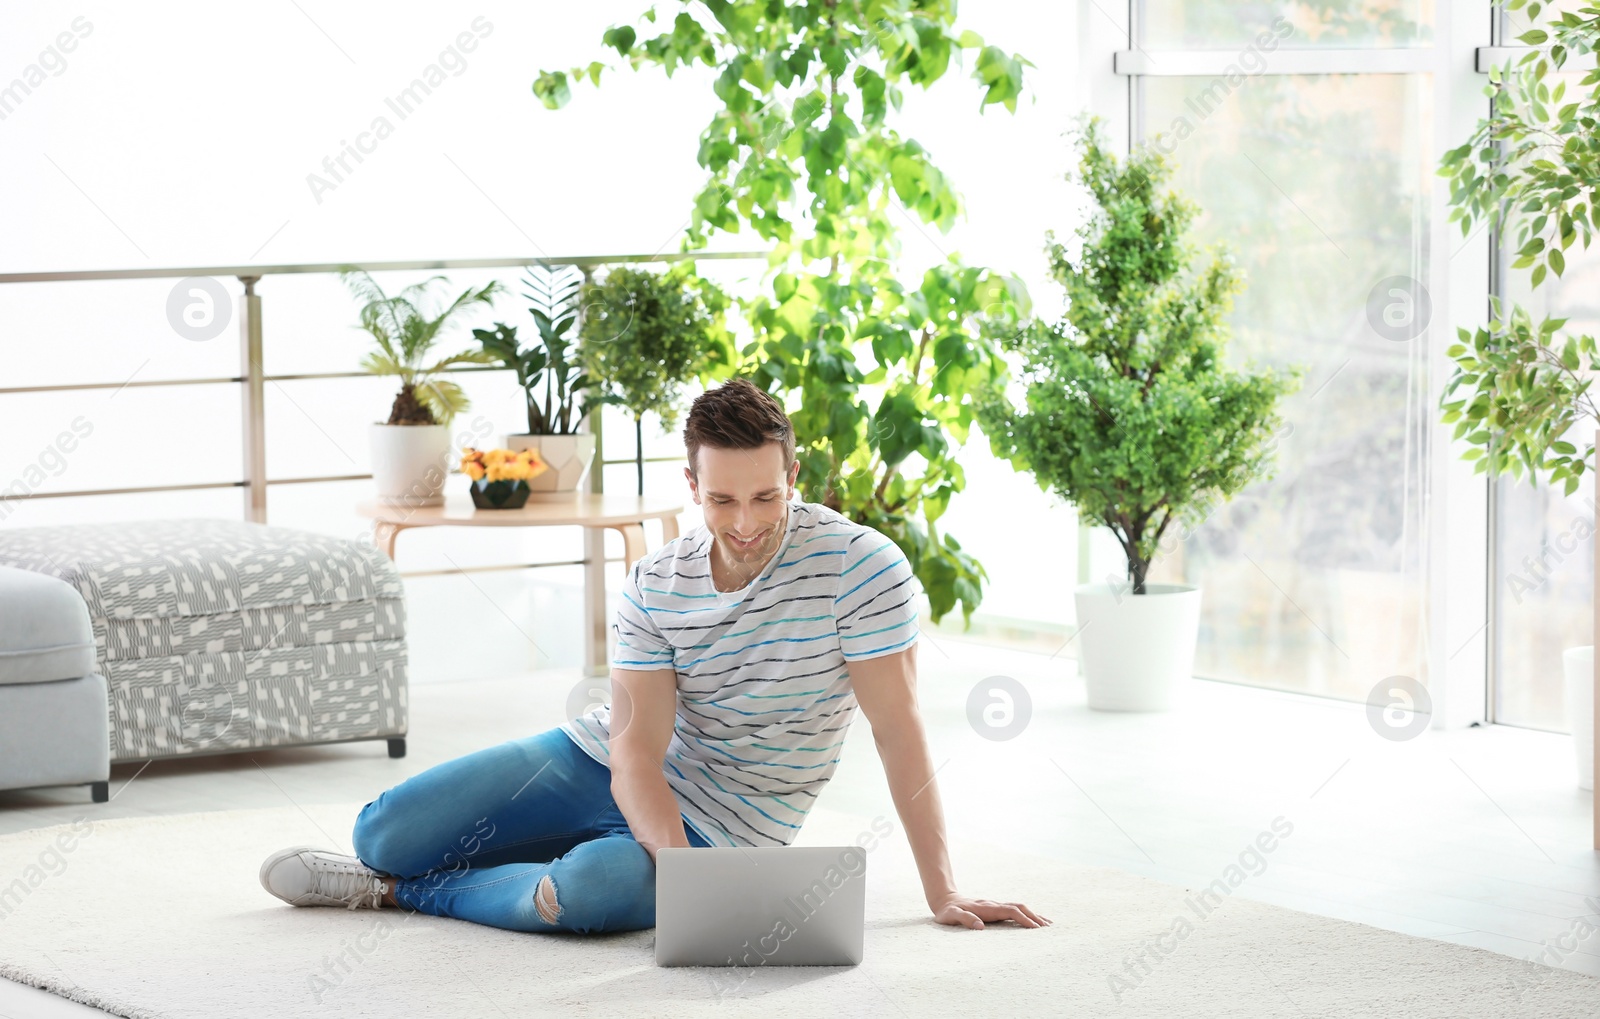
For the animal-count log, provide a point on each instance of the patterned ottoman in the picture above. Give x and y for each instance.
(219, 635)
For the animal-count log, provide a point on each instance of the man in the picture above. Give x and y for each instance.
(743, 649)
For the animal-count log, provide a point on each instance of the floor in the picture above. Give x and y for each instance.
(1479, 837)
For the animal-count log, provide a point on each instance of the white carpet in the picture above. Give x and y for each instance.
(163, 917)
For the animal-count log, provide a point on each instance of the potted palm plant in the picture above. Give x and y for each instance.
(556, 393)
(1131, 414)
(645, 334)
(1519, 396)
(410, 451)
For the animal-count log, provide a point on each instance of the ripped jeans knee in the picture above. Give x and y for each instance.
(605, 884)
(544, 900)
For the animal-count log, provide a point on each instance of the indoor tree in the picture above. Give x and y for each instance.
(802, 150)
(1132, 414)
(1519, 386)
(644, 334)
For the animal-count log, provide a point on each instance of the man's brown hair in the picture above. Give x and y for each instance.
(737, 415)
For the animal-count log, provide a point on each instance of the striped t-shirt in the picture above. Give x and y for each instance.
(764, 695)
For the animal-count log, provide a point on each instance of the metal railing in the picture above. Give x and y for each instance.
(253, 378)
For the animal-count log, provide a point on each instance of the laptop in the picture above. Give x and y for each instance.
(765, 906)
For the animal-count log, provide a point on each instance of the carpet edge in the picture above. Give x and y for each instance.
(18, 975)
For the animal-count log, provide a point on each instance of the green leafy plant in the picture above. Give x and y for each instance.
(1131, 414)
(802, 150)
(406, 335)
(645, 334)
(557, 393)
(1534, 162)
(1523, 393)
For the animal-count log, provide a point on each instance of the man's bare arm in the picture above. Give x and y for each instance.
(886, 690)
(644, 706)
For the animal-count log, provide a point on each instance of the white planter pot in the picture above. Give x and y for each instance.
(569, 457)
(410, 463)
(1578, 665)
(1135, 650)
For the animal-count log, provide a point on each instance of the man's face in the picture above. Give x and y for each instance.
(744, 493)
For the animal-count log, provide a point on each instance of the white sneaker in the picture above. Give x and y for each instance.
(304, 876)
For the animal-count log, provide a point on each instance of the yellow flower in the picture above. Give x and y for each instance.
(502, 464)
(469, 455)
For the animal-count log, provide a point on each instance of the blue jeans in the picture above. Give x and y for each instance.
(473, 838)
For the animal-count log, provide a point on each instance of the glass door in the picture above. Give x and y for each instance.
(1307, 134)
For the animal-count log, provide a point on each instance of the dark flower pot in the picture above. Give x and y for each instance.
(488, 494)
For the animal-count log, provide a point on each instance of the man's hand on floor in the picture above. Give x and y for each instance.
(958, 909)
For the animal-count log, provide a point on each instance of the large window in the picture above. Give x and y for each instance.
(1313, 578)
(1308, 135)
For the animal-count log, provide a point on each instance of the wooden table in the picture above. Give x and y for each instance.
(594, 513)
